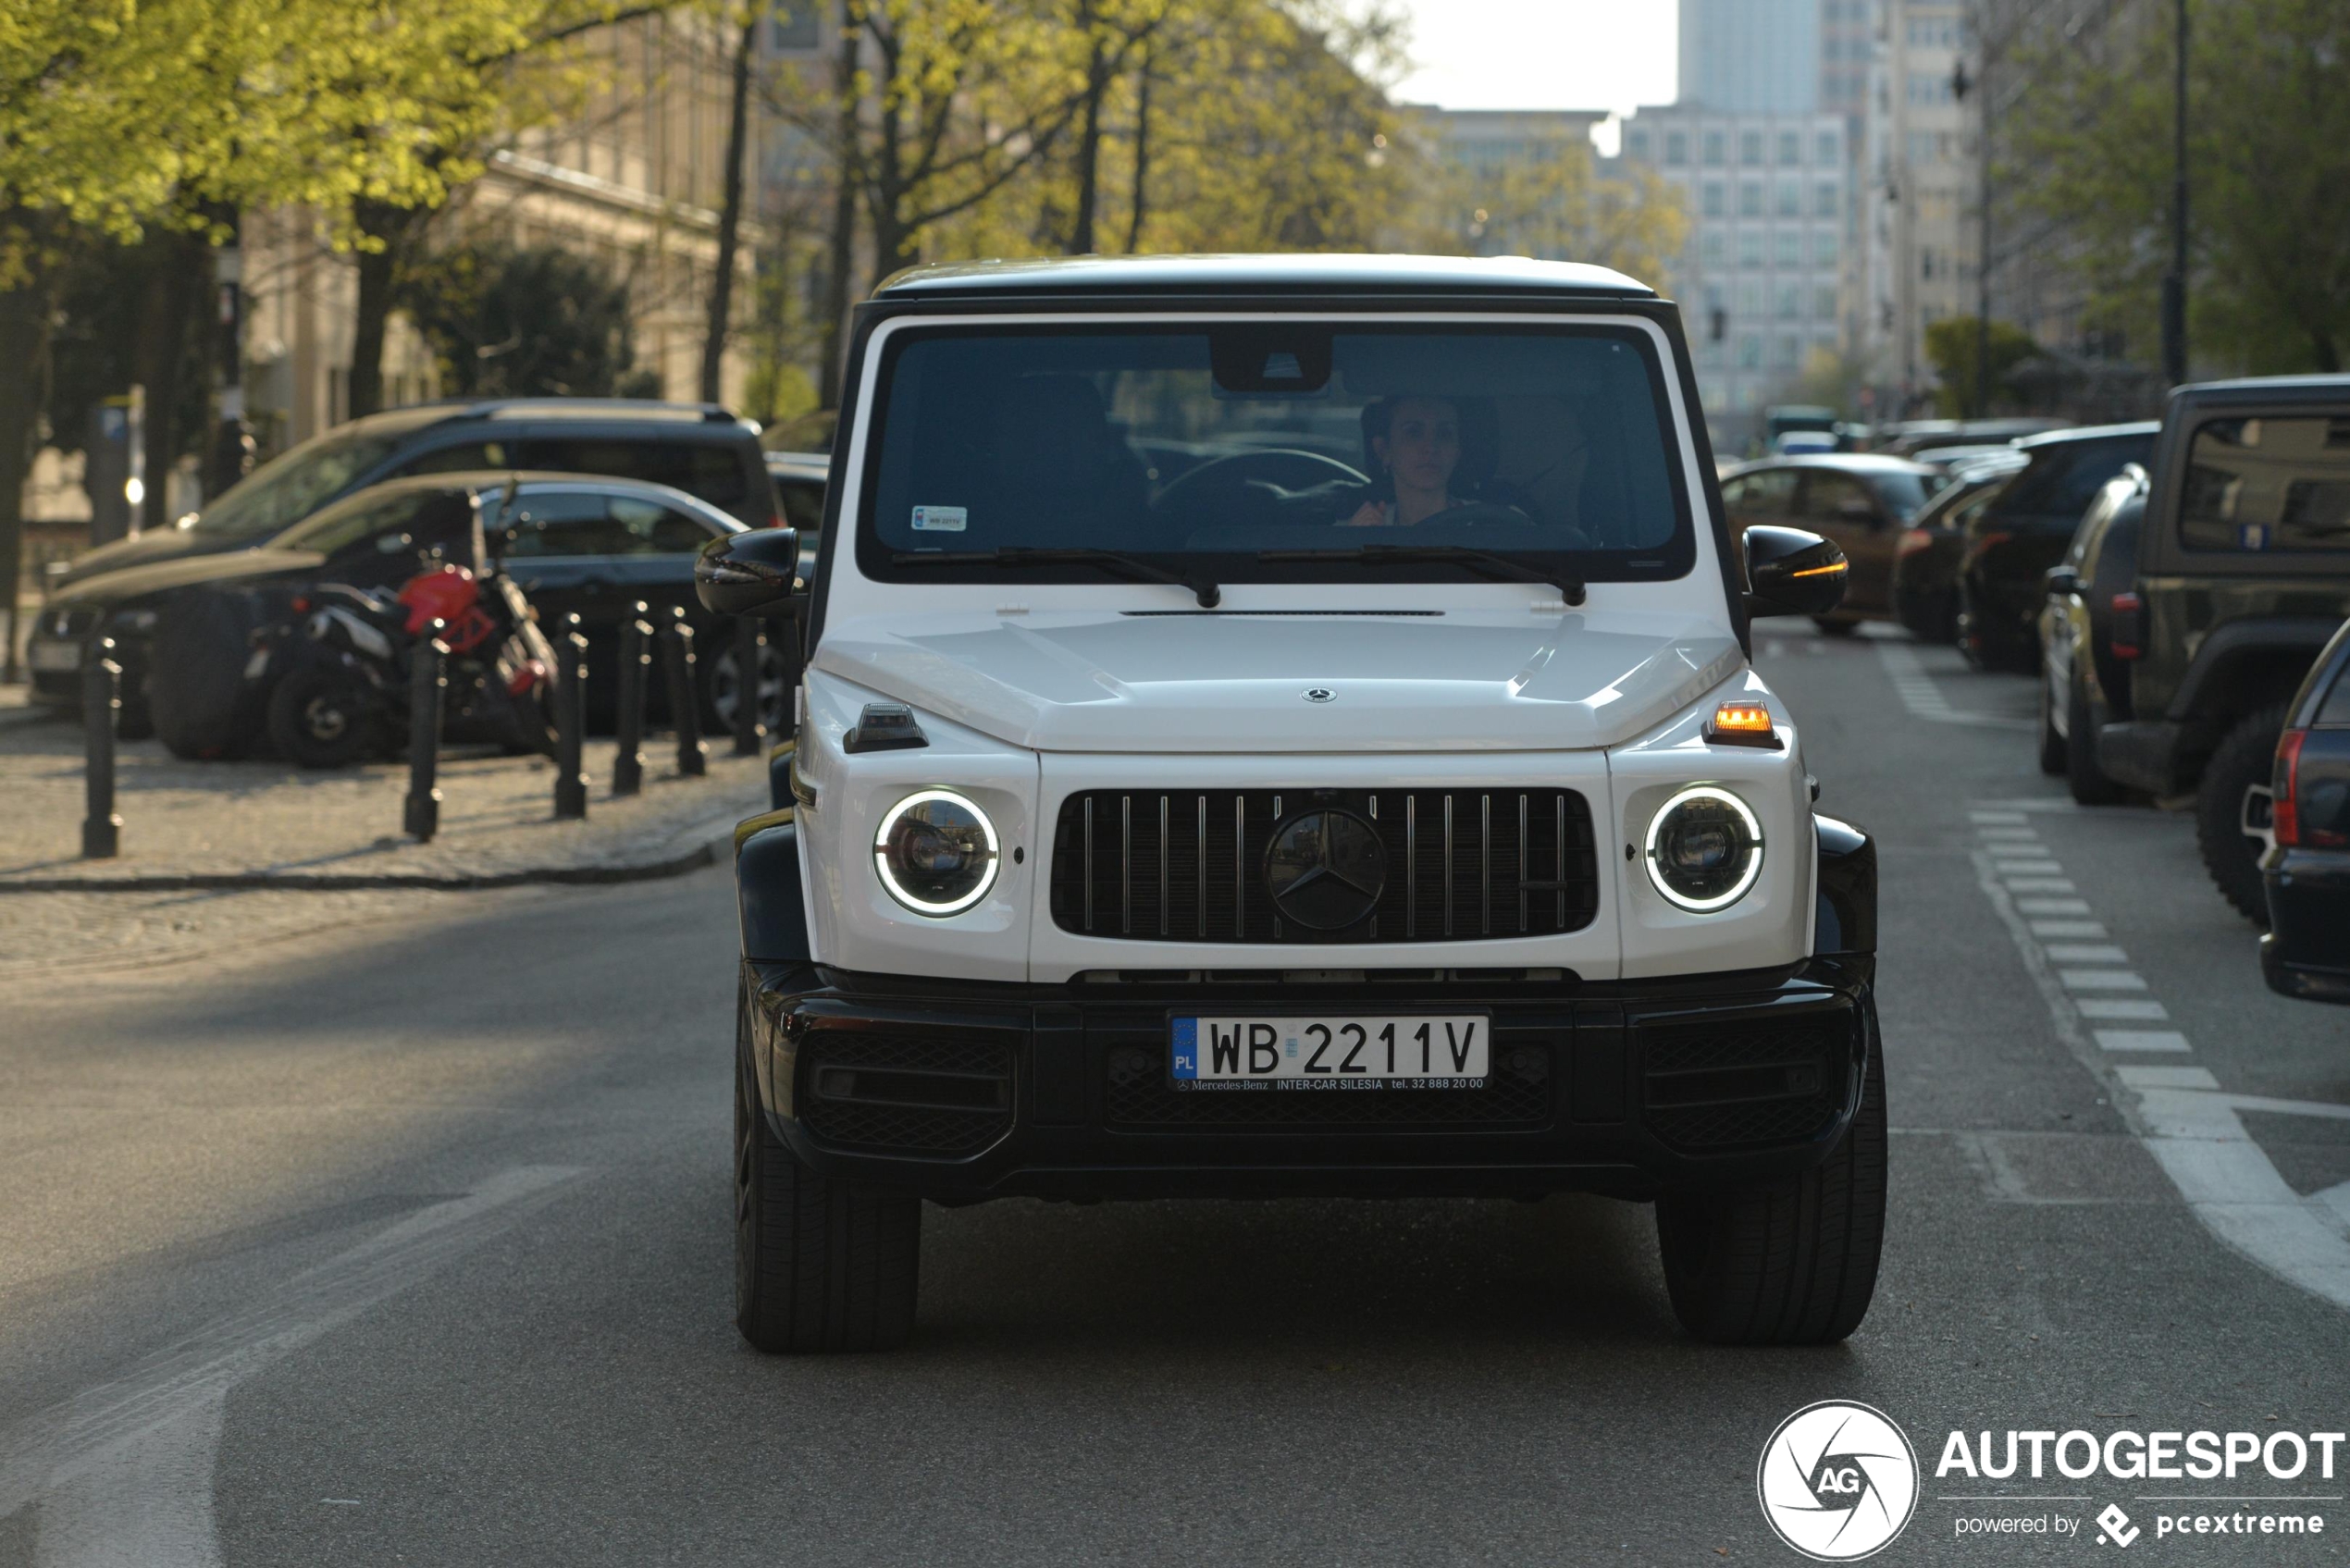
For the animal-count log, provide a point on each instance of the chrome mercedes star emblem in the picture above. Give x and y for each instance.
(1326, 870)
(1318, 694)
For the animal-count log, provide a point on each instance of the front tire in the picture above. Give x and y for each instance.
(1836, 628)
(1793, 1261)
(2235, 787)
(320, 718)
(820, 1265)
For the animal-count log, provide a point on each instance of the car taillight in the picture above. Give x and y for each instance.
(2126, 635)
(2284, 810)
(1914, 541)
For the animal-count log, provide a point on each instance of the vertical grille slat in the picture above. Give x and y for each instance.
(1480, 867)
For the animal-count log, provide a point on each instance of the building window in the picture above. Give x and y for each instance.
(1676, 147)
(1751, 199)
(1717, 200)
(1823, 202)
(1751, 247)
(1823, 247)
(1716, 248)
(1751, 351)
(1789, 303)
(1930, 87)
(1715, 145)
(1790, 148)
(1827, 148)
(1750, 298)
(1823, 303)
(1790, 199)
(1637, 143)
(1750, 147)
(1790, 251)
(1790, 356)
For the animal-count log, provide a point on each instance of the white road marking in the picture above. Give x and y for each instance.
(2101, 980)
(2029, 868)
(122, 1472)
(2068, 928)
(2195, 1133)
(2147, 1011)
(2052, 905)
(1994, 835)
(2141, 1039)
(1998, 816)
(2041, 884)
(1923, 698)
(2086, 953)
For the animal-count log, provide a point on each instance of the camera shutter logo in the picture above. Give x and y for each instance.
(1838, 1481)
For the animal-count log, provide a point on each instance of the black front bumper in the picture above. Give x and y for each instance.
(965, 1091)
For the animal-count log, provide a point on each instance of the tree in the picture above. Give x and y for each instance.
(730, 207)
(508, 321)
(1555, 204)
(2268, 121)
(1951, 342)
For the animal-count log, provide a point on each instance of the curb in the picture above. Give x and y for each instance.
(715, 845)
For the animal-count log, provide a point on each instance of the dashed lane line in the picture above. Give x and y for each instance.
(2193, 1131)
(1923, 698)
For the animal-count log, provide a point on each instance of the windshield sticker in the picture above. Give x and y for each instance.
(941, 519)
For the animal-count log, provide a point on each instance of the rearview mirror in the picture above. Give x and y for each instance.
(748, 574)
(1789, 572)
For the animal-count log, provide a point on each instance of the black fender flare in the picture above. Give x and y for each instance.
(767, 890)
(1846, 918)
(2204, 689)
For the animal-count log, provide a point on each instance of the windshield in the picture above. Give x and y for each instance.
(1903, 492)
(1209, 448)
(290, 485)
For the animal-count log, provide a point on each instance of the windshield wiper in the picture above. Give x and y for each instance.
(1206, 592)
(1570, 586)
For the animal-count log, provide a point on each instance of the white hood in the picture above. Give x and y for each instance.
(1461, 681)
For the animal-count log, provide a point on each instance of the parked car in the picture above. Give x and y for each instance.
(573, 543)
(2008, 546)
(700, 449)
(800, 478)
(1925, 558)
(1861, 500)
(1912, 436)
(2243, 576)
(2091, 591)
(1179, 839)
(2306, 871)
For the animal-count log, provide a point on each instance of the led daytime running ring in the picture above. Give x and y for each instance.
(924, 907)
(1753, 865)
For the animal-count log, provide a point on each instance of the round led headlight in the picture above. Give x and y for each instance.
(1705, 849)
(936, 852)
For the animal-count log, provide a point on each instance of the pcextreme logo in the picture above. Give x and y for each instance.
(1837, 1481)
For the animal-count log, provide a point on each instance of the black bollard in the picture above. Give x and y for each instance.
(685, 703)
(636, 664)
(750, 643)
(570, 720)
(101, 701)
(428, 688)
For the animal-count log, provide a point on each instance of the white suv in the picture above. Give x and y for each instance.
(1285, 725)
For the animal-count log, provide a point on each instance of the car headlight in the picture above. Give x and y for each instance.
(1704, 849)
(936, 852)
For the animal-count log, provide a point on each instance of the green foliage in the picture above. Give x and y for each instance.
(2269, 155)
(1951, 344)
(526, 322)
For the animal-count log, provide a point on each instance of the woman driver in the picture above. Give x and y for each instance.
(1417, 443)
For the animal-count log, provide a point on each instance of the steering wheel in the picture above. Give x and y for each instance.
(1222, 478)
(1479, 513)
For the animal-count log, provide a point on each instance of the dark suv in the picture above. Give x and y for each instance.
(698, 448)
(2243, 573)
(2009, 545)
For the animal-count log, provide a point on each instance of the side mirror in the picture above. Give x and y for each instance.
(1789, 572)
(749, 574)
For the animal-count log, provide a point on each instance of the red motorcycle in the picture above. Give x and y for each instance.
(342, 669)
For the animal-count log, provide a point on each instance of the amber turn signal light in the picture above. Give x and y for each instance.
(1742, 724)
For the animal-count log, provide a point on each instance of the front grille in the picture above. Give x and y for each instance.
(888, 1093)
(1517, 1096)
(1461, 865)
(1721, 1084)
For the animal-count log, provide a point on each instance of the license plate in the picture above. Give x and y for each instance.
(56, 656)
(1331, 1051)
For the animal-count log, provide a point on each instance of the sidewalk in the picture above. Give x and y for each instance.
(267, 824)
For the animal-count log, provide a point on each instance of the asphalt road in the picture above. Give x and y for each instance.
(336, 1249)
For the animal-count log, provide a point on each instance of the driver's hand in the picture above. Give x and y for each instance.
(1371, 514)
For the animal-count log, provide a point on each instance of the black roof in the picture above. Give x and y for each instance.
(603, 410)
(1261, 274)
(2284, 389)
